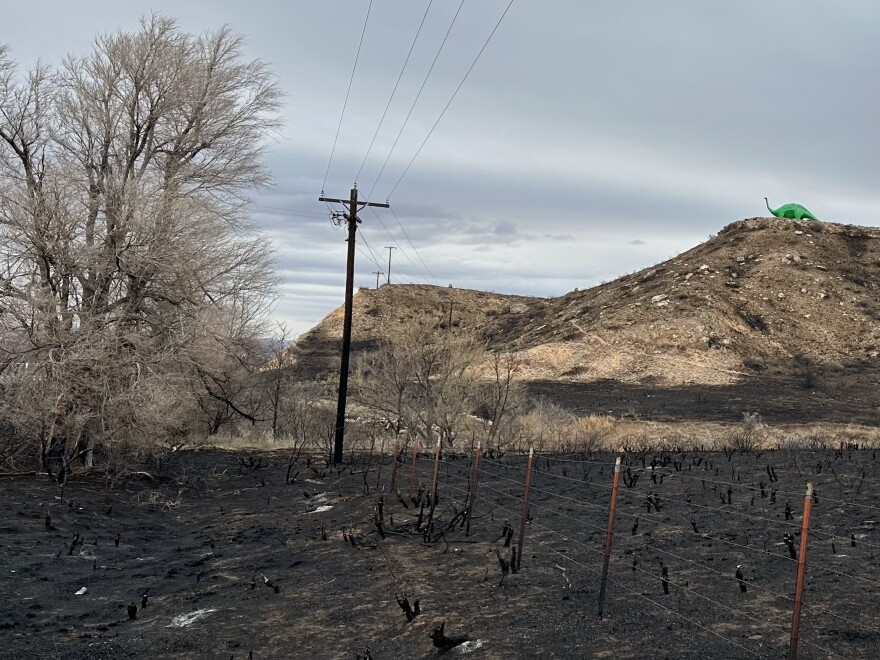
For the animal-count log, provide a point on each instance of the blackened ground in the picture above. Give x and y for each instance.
(847, 396)
(206, 525)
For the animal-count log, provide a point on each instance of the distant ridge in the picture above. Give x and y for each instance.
(766, 298)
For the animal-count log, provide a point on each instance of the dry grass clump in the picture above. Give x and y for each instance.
(548, 427)
(243, 438)
(841, 438)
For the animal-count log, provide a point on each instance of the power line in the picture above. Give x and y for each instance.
(351, 217)
(366, 255)
(446, 107)
(389, 248)
(393, 91)
(287, 210)
(374, 257)
(400, 224)
(416, 100)
(400, 247)
(347, 92)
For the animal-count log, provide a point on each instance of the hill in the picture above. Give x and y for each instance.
(771, 315)
(376, 310)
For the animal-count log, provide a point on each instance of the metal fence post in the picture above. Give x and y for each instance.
(799, 586)
(525, 509)
(436, 473)
(608, 536)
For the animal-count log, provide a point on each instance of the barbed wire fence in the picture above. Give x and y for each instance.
(763, 532)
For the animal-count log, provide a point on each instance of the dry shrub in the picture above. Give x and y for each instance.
(863, 436)
(249, 437)
(821, 438)
(814, 440)
(549, 427)
(591, 433)
(679, 444)
(637, 443)
(749, 436)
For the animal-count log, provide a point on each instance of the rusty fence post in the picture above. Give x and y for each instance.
(608, 535)
(412, 469)
(525, 509)
(381, 458)
(394, 464)
(799, 586)
(436, 473)
(472, 491)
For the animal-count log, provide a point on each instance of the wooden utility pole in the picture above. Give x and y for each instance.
(389, 248)
(353, 220)
(377, 273)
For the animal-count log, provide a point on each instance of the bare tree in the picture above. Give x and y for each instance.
(502, 395)
(425, 379)
(129, 278)
(281, 357)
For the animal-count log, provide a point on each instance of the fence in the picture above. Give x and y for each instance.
(674, 500)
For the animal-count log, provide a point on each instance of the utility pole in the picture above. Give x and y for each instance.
(353, 220)
(389, 248)
(377, 273)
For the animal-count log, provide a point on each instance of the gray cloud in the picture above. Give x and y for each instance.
(590, 140)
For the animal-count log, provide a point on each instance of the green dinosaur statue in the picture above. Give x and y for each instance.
(793, 211)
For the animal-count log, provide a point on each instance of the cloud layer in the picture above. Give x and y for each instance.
(591, 139)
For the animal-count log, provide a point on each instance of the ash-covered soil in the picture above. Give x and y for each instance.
(200, 534)
(845, 397)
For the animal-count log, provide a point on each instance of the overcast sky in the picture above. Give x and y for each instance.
(591, 139)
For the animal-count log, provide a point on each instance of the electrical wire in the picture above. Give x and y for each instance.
(374, 256)
(409, 240)
(290, 211)
(399, 246)
(393, 92)
(446, 107)
(366, 255)
(347, 92)
(416, 100)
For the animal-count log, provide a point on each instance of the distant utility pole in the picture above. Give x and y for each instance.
(389, 248)
(377, 273)
(353, 220)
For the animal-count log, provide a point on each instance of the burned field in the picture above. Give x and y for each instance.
(219, 554)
